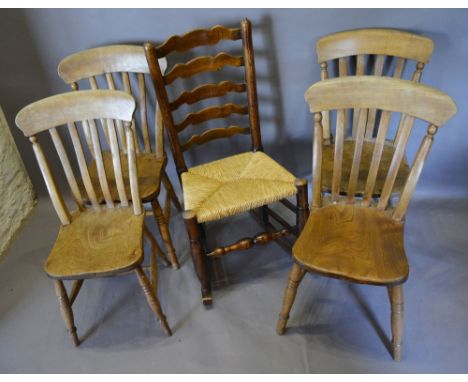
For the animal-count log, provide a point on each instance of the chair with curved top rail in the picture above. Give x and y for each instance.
(96, 239)
(234, 184)
(361, 239)
(118, 67)
(373, 51)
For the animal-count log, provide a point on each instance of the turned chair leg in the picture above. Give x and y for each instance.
(153, 301)
(295, 277)
(165, 234)
(195, 232)
(65, 309)
(396, 300)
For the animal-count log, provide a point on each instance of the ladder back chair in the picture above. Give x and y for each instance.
(95, 239)
(123, 67)
(376, 52)
(233, 184)
(360, 239)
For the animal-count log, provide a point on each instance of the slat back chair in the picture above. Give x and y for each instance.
(359, 239)
(233, 184)
(118, 67)
(95, 239)
(378, 52)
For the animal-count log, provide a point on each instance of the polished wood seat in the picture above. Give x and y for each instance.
(150, 168)
(366, 158)
(235, 184)
(97, 243)
(355, 243)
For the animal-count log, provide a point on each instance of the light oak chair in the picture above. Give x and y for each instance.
(361, 239)
(95, 240)
(379, 52)
(234, 184)
(118, 67)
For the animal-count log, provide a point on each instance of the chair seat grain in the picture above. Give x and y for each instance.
(360, 244)
(365, 164)
(235, 184)
(97, 243)
(150, 168)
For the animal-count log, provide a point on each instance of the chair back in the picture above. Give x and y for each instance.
(392, 97)
(120, 67)
(73, 115)
(373, 51)
(184, 43)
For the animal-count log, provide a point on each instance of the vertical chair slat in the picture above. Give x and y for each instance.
(360, 67)
(400, 147)
(94, 85)
(82, 165)
(353, 177)
(414, 174)
(338, 158)
(55, 196)
(100, 163)
(111, 85)
(343, 71)
(378, 70)
(132, 170)
(376, 156)
(117, 164)
(67, 167)
(400, 64)
(143, 112)
(317, 161)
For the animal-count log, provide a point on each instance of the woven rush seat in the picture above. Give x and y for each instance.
(366, 159)
(235, 184)
(355, 243)
(97, 243)
(149, 173)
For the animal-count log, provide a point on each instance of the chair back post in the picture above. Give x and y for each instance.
(249, 65)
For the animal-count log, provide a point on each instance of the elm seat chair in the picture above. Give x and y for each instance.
(115, 67)
(374, 51)
(234, 184)
(361, 239)
(95, 240)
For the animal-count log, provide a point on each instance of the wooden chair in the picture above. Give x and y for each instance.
(117, 67)
(234, 184)
(95, 240)
(376, 52)
(361, 239)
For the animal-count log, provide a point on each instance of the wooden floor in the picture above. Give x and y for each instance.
(334, 327)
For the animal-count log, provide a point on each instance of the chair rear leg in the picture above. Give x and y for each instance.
(165, 234)
(65, 309)
(396, 300)
(295, 277)
(153, 301)
(195, 232)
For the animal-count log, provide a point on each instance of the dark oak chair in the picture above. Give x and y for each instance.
(118, 67)
(361, 239)
(95, 240)
(374, 51)
(234, 184)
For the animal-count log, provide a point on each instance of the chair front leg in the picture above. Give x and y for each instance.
(65, 309)
(295, 277)
(302, 213)
(396, 300)
(195, 232)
